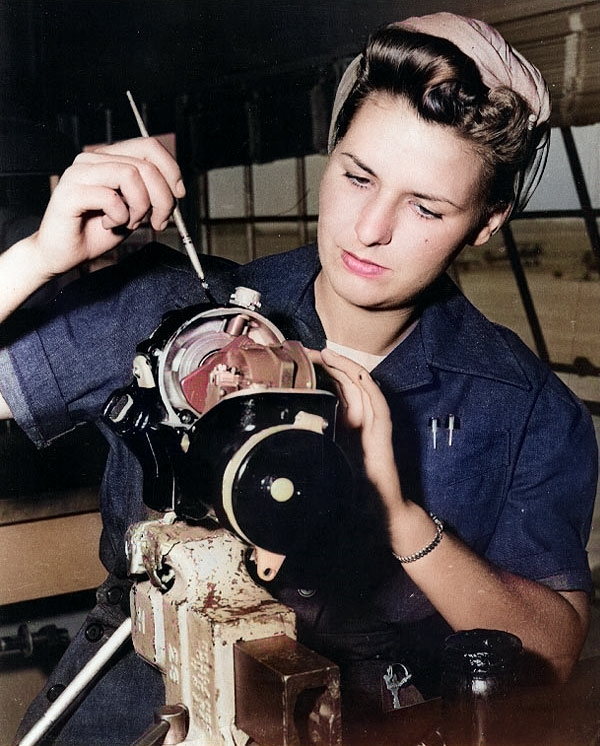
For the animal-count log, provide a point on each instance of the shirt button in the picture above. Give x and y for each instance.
(306, 592)
(54, 692)
(114, 595)
(94, 632)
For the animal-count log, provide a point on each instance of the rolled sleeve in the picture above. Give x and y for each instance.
(26, 376)
(544, 526)
(59, 370)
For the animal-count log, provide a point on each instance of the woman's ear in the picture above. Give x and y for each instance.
(490, 227)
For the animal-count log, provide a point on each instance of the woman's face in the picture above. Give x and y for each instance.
(399, 199)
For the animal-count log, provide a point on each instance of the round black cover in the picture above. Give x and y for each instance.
(318, 479)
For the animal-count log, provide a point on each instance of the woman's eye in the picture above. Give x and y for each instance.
(360, 181)
(424, 212)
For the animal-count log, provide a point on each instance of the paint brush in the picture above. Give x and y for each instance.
(188, 244)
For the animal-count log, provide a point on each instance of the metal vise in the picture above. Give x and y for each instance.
(226, 648)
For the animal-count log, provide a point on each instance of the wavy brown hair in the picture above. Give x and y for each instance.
(444, 86)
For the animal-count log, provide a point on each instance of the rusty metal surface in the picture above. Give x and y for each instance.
(187, 626)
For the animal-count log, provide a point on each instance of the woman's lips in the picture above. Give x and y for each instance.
(361, 266)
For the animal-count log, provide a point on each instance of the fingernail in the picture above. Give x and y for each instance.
(179, 189)
(163, 225)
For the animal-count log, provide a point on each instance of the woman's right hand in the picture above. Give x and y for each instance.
(100, 199)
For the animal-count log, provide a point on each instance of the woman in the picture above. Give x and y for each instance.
(476, 466)
(425, 158)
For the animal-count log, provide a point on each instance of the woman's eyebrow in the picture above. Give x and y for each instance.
(419, 195)
(360, 164)
(434, 198)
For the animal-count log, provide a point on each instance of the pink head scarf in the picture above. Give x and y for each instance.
(499, 64)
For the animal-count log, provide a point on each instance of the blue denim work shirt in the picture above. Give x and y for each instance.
(516, 479)
(517, 483)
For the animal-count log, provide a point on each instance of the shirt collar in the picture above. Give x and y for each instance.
(451, 335)
(458, 337)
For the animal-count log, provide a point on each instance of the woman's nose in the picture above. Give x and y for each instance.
(375, 224)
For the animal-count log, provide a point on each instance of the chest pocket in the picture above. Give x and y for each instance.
(465, 482)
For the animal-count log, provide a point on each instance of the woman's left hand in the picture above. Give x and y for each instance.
(365, 409)
(466, 590)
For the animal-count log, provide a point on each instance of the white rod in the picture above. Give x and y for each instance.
(79, 683)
